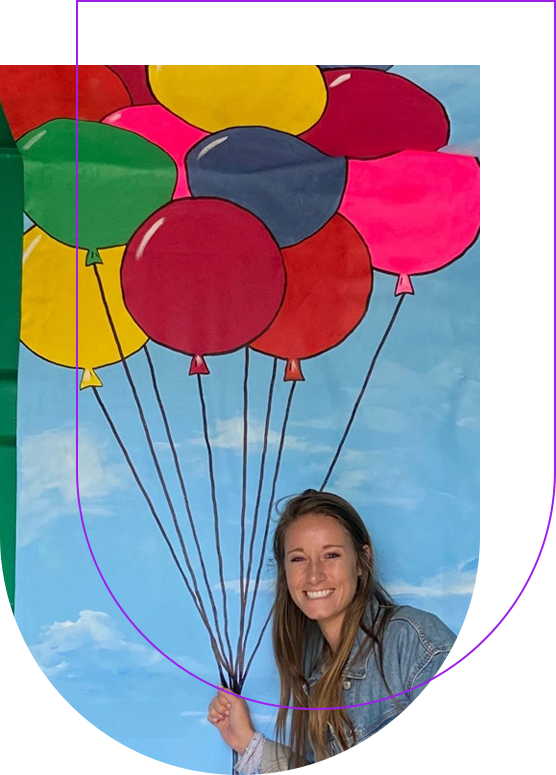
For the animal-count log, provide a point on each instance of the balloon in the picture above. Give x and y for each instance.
(159, 126)
(341, 67)
(135, 79)
(122, 179)
(371, 114)
(203, 277)
(328, 288)
(288, 184)
(31, 95)
(418, 211)
(213, 97)
(48, 307)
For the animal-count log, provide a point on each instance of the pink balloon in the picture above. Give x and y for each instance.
(417, 210)
(155, 123)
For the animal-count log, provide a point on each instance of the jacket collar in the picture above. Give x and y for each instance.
(357, 664)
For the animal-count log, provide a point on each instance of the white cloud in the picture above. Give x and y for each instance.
(449, 581)
(375, 476)
(93, 631)
(93, 641)
(229, 435)
(48, 478)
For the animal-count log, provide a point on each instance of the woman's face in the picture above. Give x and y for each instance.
(321, 568)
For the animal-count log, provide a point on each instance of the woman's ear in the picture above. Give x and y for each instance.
(367, 550)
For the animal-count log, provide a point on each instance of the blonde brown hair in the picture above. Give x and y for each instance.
(298, 642)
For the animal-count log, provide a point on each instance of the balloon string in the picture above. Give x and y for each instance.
(145, 494)
(215, 513)
(362, 393)
(243, 584)
(186, 501)
(147, 431)
(265, 625)
(271, 503)
(244, 475)
(241, 648)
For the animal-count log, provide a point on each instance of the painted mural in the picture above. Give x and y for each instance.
(271, 285)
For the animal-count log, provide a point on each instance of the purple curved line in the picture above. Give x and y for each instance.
(249, 699)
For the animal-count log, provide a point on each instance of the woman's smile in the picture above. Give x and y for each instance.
(319, 595)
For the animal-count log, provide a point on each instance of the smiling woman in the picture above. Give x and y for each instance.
(339, 640)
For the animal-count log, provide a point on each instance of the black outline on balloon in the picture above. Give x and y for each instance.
(63, 365)
(86, 121)
(452, 260)
(135, 104)
(297, 137)
(236, 126)
(401, 150)
(220, 352)
(341, 341)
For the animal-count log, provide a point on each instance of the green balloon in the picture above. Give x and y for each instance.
(123, 179)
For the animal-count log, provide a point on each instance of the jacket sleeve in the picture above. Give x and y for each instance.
(263, 755)
(275, 760)
(420, 707)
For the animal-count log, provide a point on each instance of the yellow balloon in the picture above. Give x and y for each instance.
(48, 306)
(290, 98)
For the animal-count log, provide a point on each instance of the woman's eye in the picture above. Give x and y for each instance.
(296, 558)
(332, 554)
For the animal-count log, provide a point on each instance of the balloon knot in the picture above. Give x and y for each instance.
(89, 378)
(198, 366)
(404, 285)
(293, 371)
(93, 257)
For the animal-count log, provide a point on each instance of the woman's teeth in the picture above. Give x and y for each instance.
(316, 595)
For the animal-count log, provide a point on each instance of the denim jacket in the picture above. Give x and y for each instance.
(415, 644)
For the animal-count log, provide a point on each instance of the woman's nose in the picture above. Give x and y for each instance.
(315, 572)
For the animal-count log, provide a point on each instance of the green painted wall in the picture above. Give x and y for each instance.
(11, 231)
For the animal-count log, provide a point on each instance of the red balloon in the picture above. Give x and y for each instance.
(371, 113)
(203, 277)
(135, 79)
(329, 284)
(417, 211)
(31, 95)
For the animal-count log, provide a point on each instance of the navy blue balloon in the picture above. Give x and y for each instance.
(292, 187)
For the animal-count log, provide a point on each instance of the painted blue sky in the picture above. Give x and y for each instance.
(411, 466)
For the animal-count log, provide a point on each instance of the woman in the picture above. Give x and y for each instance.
(338, 640)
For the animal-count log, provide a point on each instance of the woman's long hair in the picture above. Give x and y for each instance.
(298, 642)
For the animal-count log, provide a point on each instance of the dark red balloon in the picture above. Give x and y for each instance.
(135, 79)
(204, 277)
(371, 113)
(31, 95)
(329, 283)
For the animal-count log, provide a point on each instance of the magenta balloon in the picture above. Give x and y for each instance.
(417, 211)
(155, 123)
(204, 277)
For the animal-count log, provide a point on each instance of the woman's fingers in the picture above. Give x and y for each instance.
(218, 710)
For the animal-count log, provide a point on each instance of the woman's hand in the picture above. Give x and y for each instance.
(230, 715)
